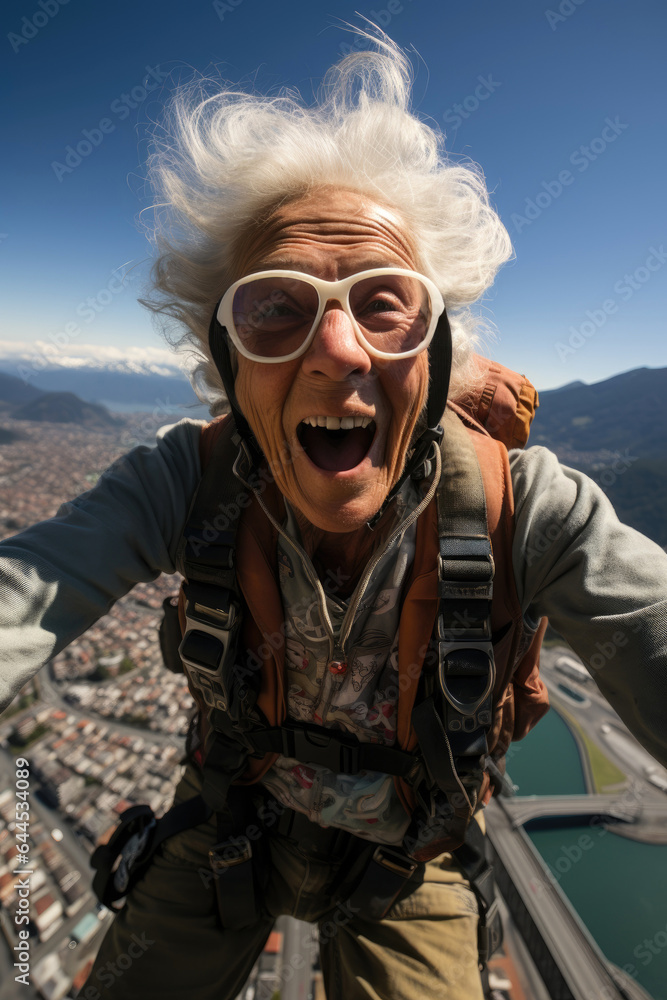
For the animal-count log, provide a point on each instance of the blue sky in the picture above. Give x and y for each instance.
(562, 104)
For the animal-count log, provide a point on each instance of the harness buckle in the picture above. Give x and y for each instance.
(386, 876)
(466, 674)
(229, 853)
(315, 745)
(394, 861)
(208, 647)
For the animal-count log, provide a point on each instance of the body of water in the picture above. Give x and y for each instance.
(617, 886)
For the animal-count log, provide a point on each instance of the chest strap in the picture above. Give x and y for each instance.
(340, 752)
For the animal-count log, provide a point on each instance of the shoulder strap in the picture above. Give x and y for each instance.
(213, 609)
(452, 720)
(206, 550)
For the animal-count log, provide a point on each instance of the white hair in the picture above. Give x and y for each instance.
(225, 161)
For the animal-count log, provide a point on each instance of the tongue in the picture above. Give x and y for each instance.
(335, 451)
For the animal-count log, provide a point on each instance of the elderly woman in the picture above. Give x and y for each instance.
(357, 686)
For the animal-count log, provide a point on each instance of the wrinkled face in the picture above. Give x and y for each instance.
(336, 478)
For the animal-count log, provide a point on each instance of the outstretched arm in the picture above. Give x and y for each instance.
(602, 585)
(61, 575)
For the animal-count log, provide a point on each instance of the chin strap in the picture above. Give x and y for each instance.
(439, 370)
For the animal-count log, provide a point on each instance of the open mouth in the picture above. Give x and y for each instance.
(336, 444)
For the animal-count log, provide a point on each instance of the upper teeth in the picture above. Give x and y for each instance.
(338, 423)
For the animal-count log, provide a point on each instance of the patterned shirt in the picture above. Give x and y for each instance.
(342, 673)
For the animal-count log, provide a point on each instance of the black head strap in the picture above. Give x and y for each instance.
(439, 370)
(219, 347)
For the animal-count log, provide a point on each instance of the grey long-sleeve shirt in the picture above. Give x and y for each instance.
(601, 583)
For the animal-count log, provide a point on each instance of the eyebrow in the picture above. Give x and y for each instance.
(290, 264)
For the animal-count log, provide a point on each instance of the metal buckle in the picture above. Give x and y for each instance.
(394, 861)
(466, 708)
(210, 611)
(314, 746)
(468, 628)
(229, 853)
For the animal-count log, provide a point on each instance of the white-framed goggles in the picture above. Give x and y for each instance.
(272, 316)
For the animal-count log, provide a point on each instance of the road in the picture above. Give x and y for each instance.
(581, 965)
(604, 727)
(525, 808)
(298, 956)
(618, 745)
(51, 696)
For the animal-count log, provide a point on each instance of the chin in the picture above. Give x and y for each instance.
(341, 499)
(340, 511)
(342, 522)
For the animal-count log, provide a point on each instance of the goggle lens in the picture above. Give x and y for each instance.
(273, 316)
(393, 311)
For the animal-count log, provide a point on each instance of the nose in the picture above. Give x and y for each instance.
(335, 351)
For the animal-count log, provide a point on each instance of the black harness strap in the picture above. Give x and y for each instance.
(236, 862)
(341, 752)
(208, 544)
(473, 860)
(452, 720)
(209, 653)
(385, 876)
(208, 649)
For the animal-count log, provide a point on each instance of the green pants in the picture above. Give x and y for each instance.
(167, 942)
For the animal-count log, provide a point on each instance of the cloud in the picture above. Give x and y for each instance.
(137, 360)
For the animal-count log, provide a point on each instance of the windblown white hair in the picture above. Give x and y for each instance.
(224, 161)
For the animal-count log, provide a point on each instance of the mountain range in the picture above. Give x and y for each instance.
(109, 385)
(23, 402)
(616, 432)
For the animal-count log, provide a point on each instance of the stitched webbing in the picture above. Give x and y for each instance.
(206, 551)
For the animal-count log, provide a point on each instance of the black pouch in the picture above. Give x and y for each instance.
(240, 861)
(121, 862)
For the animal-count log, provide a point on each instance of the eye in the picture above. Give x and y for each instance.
(278, 310)
(377, 304)
(380, 305)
